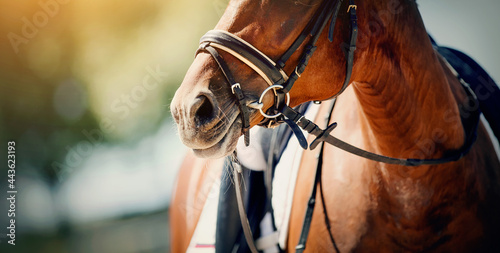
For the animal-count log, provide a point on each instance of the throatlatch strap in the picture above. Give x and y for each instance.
(310, 28)
(318, 27)
(352, 45)
(334, 20)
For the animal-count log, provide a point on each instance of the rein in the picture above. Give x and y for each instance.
(281, 83)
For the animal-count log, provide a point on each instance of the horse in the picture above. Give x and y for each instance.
(398, 98)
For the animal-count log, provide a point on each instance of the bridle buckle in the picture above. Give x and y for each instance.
(352, 6)
(235, 86)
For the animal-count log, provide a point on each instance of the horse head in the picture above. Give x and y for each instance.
(206, 111)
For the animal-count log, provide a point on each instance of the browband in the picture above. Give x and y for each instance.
(246, 53)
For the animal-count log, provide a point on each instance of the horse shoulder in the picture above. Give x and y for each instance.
(345, 179)
(194, 181)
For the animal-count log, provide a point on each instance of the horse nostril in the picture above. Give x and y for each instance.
(205, 113)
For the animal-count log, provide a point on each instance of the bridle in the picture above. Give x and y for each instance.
(281, 83)
(272, 72)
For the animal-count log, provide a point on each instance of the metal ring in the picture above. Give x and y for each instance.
(272, 87)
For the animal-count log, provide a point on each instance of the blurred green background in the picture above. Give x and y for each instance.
(85, 88)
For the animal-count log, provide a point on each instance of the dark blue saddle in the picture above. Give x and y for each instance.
(485, 88)
(229, 234)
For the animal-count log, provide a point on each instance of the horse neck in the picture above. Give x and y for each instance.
(401, 86)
